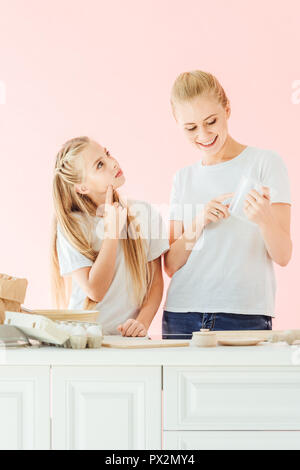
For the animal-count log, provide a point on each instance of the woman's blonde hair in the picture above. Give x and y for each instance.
(68, 204)
(188, 85)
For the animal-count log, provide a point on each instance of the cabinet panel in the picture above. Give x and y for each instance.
(257, 398)
(231, 440)
(106, 407)
(24, 407)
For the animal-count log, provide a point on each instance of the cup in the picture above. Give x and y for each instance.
(204, 338)
(236, 207)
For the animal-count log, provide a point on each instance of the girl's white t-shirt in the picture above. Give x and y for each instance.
(229, 269)
(117, 305)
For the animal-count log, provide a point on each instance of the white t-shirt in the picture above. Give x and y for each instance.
(229, 269)
(116, 306)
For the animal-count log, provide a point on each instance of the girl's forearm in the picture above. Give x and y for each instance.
(151, 305)
(277, 241)
(181, 249)
(103, 269)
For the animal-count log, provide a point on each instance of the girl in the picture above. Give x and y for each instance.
(222, 267)
(101, 244)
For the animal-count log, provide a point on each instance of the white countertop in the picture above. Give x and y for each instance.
(264, 354)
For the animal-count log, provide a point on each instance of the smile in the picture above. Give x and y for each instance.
(210, 143)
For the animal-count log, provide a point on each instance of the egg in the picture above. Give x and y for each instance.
(78, 331)
(65, 328)
(94, 331)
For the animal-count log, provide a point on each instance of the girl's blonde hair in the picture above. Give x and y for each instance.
(188, 85)
(68, 204)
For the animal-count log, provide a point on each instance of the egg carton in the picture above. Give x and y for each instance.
(81, 334)
(69, 334)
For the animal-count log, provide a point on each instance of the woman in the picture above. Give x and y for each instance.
(103, 243)
(221, 266)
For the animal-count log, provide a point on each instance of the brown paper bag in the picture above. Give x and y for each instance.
(12, 294)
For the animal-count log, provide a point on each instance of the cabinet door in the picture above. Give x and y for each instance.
(107, 407)
(232, 398)
(24, 407)
(231, 440)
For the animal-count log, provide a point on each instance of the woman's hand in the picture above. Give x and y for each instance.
(257, 207)
(132, 328)
(115, 216)
(214, 210)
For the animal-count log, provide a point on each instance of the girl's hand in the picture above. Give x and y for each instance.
(115, 216)
(214, 210)
(257, 207)
(132, 328)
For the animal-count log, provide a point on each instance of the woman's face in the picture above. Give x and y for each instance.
(204, 123)
(100, 171)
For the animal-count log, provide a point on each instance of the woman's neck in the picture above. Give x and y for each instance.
(230, 150)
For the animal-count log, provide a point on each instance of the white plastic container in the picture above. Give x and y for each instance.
(236, 207)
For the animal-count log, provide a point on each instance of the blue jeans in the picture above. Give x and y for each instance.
(181, 325)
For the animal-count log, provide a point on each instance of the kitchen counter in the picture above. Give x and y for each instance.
(262, 354)
(162, 398)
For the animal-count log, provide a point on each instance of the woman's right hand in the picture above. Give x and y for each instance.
(115, 216)
(214, 210)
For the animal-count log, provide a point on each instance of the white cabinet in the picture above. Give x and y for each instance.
(106, 407)
(231, 440)
(224, 398)
(212, 408)
(232, 398)
(24, 407)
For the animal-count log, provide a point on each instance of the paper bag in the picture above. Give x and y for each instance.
(12, 294)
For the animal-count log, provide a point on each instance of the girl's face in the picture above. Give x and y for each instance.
(204, 123)
(100, 171)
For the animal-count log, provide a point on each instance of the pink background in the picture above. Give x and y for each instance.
(105, 69)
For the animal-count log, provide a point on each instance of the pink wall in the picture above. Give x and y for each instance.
(105, 68)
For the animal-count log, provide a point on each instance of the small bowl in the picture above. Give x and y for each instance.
(204, 339)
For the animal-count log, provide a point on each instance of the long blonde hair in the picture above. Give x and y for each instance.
(68, 203)
(188, 85)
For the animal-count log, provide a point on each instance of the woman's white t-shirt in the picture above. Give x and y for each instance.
(229, 269)
(117, 305)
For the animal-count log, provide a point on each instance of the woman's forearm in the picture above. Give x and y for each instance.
(103, 269)
(277, 241)
(177, 255)
(181, 249)
(152, 303)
